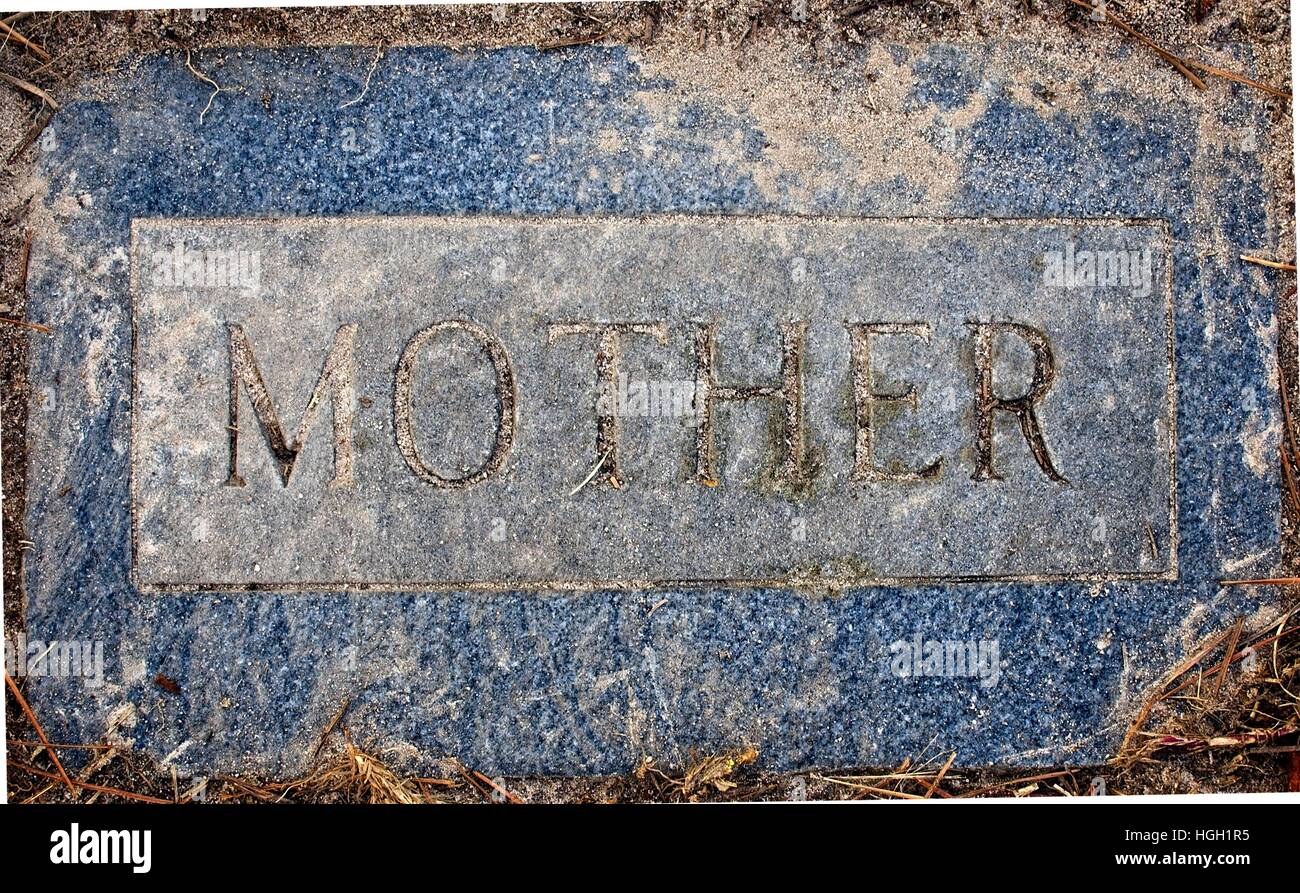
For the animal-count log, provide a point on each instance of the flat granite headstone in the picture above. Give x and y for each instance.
(561, 411)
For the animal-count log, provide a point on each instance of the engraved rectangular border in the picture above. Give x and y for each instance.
(788, 582)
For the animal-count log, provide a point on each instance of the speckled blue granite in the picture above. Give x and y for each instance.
(590, 683)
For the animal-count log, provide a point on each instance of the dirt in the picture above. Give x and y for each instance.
(723, 48)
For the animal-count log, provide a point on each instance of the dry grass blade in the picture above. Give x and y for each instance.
(29, 88)
(1003, 785)
(1240, 655)
(32, 133)
(1284, 389)
(932, 787)
(887, 793)
(25, 262)
(928, 780)
(1265, 262)
(1263, 581)
(1184, 66)
(507, 795)
(1289, 478)
(1240, 79)
(27, 742)
(370, 73)
(855, 783)
(248, 789)
(1228, 653)
(40, 733)
(216, 88)
(343, 708)
(1176, 61)
(24, 324)
(37, 50)
(99, 789)
(1243, 739)
(600, 463)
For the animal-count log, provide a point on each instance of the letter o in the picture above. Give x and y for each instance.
(505, 386)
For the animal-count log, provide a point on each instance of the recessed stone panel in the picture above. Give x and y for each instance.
(495, 403)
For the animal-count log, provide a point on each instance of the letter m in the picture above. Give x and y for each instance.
(337, 375)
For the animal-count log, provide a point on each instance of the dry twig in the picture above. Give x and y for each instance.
(40, 733)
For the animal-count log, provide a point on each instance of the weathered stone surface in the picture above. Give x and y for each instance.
(1098, 595)
(465, 475)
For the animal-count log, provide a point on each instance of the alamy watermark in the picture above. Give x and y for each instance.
(82, 660)
(184, 267)
(105, 846)
(1082, 268)
(650, 398)
(919, 657)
